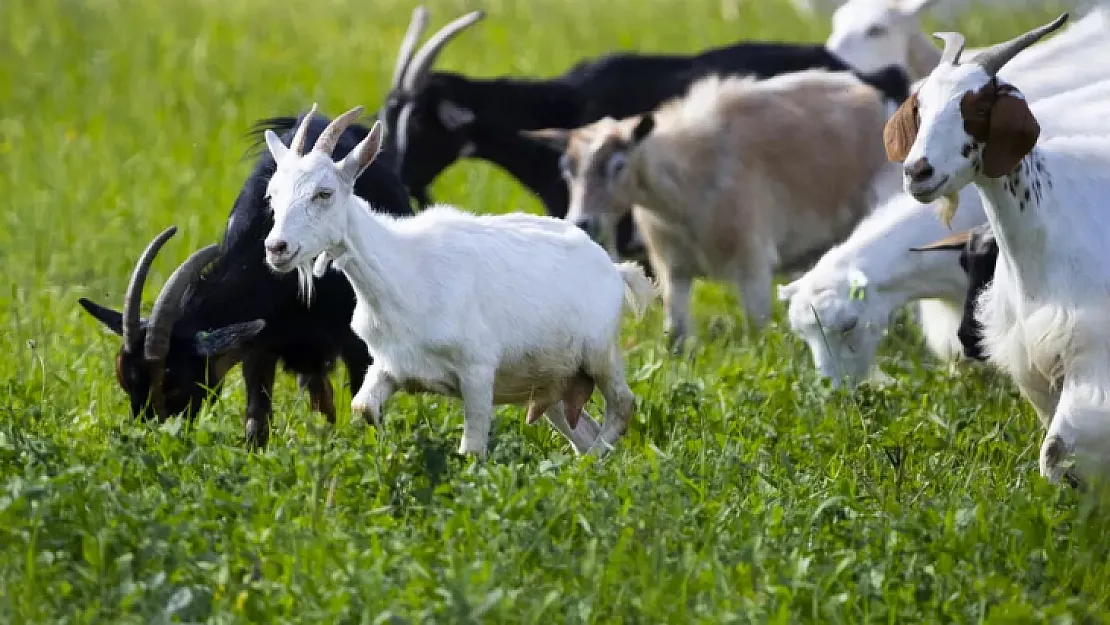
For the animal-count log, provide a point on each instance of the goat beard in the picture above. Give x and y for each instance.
(946, 210)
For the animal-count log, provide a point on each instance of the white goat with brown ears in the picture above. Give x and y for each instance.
(1046, 313)
(495, 309)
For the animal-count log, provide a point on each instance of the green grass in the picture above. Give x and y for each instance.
(746, 490)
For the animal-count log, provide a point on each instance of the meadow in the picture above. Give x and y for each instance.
(747, 490)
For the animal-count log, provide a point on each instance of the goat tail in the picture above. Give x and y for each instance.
(639, 290)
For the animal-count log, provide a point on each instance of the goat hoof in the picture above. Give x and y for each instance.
(256, 434)
(367, 412)
(1053, 452)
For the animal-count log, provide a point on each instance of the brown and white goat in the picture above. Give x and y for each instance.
(738, 178)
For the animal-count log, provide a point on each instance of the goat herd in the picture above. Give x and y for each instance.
(735, 164)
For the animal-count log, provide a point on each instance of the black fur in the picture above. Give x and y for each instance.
(978, 260)
(239, 288)
(617, 85)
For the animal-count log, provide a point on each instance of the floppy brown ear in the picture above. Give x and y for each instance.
(951, 242)
(901, 130)
(1013, 133)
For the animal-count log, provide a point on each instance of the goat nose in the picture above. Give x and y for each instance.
(919, 170)
(276, 247)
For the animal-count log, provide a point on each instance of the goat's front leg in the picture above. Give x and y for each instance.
(754, 285)
(376, 389)
(258, 376)
(1081, 424)
(476, 387)
(321, 395)
(676, 295)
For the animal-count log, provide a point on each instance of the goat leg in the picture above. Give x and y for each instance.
(258, 375)
(321, 395)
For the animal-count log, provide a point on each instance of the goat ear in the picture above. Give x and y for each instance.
(1013, 133)
(900, 130)
(643, 128)
(227, 338)
(278, 150)
(453, 116)
(358, 159)
(110, 318)
(557, 138)
(956, 241)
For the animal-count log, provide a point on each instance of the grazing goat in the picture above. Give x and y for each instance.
(203, 324)
(978, 254)
(842, 321)
(726, 183)
(1044, 314)
(437, 117)
(493, 309)
(872, 34)
(842, 306)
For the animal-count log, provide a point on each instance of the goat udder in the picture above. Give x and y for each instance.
(577, 393)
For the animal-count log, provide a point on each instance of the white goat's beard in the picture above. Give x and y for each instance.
(320, 265)
(305, 277)
(946, 210)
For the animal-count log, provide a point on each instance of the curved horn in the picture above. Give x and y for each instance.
(327, 140)
(408, 45)
(297, 144)
(133, 300)
(993, 58)
(951, 242)
(953, 47)
(168, 304)
(422, 62)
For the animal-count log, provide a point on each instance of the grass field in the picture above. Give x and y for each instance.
(746, 491)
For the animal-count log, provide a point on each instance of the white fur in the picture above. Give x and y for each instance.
(844, 334)
(1046, 314)
(872, 34)
(843, 331)
(492, 309)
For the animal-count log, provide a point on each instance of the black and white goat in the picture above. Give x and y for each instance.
(205, 322)
(435, 118)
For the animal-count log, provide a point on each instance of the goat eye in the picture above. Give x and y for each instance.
(322, 194)
(875, 32)
(615, 165)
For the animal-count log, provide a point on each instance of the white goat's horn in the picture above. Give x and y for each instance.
(953, 47)
(325, 144)
(133, 299)
(297, 144)
(993, 58)
(408, 45)
(422, 63)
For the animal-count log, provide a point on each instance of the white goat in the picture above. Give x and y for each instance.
(872, 34)
(493, 309)
(841, 307)
(841, 332)
(1046, 313)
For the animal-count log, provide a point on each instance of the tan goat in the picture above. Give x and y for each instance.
(736, 179)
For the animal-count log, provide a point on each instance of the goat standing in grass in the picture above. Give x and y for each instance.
(1046, 313)
(223, 306)
(436, 117)
(735, 180)
(493, 309)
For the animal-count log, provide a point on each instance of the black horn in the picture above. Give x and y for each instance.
(422, 63)
(408, 45)
(133, 300)
(995, 57)
(168, 305)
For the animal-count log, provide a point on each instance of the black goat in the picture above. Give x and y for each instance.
(205, 322)
(978, 256)
(435, 118)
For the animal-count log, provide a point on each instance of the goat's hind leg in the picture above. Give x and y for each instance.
(609, 375)
(376, 389)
